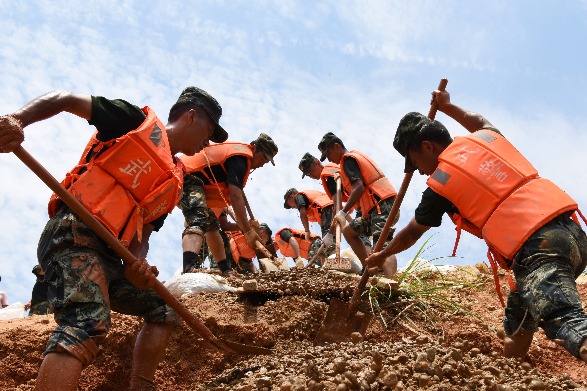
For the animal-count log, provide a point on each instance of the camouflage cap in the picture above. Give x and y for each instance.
(36, 269)
(306, 163)
(267, 145)
(408, 127)
(265, 227)
(201, 98)
(291, 191)
(326, 141)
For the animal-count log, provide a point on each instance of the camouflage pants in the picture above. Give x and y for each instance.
(40, 308)
(198, 217)
(86, 282)
(326, 217)
(545, 269)
(373, 223)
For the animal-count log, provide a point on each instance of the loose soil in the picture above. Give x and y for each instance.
(438, 332)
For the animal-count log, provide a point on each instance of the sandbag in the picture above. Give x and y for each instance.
(13, 311)
(267, 265)
(194, 283)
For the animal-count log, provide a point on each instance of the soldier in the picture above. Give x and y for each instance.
(216, 178)
(488, 188)
(129, 179)
(368, 189)
(314, 206)
(293, 243)
(39, 304)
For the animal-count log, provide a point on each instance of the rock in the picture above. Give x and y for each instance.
(537, 385)
(250, 285)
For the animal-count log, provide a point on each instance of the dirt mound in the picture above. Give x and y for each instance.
(437, 332)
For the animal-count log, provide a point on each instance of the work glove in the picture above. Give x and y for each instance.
(254, 223)
(11, 134)
(307, 235)
(252, 236)
(328, 240)
(141, 274)
(341, 218)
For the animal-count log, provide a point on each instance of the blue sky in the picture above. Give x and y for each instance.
(294, 70)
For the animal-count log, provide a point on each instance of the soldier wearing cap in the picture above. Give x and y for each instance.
(489, 189)
(215, 178)
(39, 305)
(313, 206)
(367, 189)
(86, 278)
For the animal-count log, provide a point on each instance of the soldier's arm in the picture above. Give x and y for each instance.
(53, 103)
(237, 201)
(304, 218)
(355, 196)
(469, 120)
(140, 249)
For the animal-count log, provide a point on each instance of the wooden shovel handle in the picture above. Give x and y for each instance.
(392, 214)
(128, 258)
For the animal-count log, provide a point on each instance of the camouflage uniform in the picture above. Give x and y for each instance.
(199, 219)
(545, 269)
(86, 282)
(373, 223)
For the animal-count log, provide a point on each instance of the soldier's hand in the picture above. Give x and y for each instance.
(11, 134)
(254, 223)
(441, 98)
(375, 260)
(307, 235)
(141, 274)
(252, 236)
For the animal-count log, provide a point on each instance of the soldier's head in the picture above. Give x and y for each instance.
(420, 141)
(331, 147)
(310, 166)
(195, 121)
(289, 198)
(265, 232)
(264, 150)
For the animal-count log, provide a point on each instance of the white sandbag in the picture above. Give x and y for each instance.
(13, 311)
(267, 265)
(194, 283)
(420, 265)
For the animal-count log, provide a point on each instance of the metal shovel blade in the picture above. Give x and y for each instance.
(340, 322)
(246, 349)
(338, 263)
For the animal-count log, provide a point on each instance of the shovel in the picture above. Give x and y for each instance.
(343, 319)
(191, 319)
(338, 263)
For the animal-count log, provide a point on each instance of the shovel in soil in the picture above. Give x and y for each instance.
(191, 319)
(338, 263)
(343, 319)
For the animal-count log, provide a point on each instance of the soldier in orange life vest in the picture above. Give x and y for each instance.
(492, 191)
(316, 207)
(368, 189)
(292, 242)
(215, 179)
(130, 154)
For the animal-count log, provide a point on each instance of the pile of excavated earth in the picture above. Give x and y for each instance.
(436, 332)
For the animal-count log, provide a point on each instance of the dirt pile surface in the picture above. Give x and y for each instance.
(437, 332)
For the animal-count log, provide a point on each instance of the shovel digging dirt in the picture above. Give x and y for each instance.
(338, 263)
(192, 320)
(342, 319)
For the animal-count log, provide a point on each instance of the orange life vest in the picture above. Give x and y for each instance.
(374, 181)
(328, 172)
(239, 246)
(497, 190)
(300, 237)
(129, 181)
(318, 201)
(217, 195)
